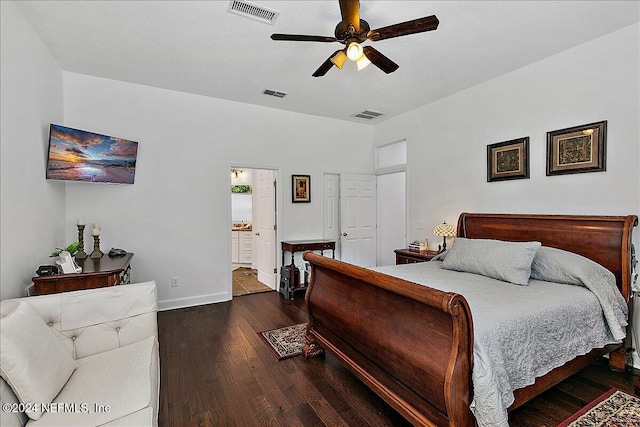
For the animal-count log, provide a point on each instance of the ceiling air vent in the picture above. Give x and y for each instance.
(253, 11)
(367, 114)
(274, 93)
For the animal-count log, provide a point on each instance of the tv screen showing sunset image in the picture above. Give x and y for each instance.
(77, 155)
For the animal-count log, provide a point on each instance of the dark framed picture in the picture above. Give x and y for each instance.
(577, 149)
(508, 160)
(300, 188)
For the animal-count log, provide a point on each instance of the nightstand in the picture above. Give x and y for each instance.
(405, 256)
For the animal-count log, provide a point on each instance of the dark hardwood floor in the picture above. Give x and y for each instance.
(216, 371)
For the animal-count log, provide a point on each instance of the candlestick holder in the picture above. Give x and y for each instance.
(81, 254)
(97, 253)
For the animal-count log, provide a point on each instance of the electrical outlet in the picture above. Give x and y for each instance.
(420, 225)
(174, 282)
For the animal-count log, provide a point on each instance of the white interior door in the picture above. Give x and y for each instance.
(331, 217)
(392, 216)
(264, 230)
(358, 219)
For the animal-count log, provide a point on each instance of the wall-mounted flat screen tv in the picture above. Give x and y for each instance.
(78, 155)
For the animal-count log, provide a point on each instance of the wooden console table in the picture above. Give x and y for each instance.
(96, 273)
(294, 246)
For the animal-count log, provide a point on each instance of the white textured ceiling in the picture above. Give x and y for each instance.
(198, 47)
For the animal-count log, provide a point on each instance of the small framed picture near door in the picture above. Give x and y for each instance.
(577, 149)
(508, 160)
(300, 188)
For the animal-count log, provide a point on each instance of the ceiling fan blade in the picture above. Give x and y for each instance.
(379, 60)
(419, 25)
(303, 38)
(350, 11)
(326, 66)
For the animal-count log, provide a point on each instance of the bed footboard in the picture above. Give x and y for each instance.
(412, 345)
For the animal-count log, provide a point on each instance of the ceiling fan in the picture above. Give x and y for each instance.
(352, 31)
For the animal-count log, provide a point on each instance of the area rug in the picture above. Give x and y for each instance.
(615, 408)
(285, 342)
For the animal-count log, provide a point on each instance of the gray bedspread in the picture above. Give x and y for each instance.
(520, 332)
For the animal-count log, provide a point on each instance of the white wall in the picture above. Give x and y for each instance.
(32, 217)
(175, 218)
(447, 140)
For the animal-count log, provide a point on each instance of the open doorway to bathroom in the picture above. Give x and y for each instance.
(253, 230)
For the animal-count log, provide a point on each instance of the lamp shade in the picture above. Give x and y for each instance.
(339, 58)
(354, 51)
(362, 62)
(444, 230)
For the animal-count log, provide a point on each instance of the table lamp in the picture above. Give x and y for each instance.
(444, 230)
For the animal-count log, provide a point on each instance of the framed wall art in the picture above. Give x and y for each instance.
(508, 160)
(300, 188)
(577, 149)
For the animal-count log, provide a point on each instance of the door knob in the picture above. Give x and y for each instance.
(344, 234)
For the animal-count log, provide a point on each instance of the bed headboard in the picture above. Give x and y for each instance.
(603, 239)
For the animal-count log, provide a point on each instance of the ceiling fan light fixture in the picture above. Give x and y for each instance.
(339, 59)
(354, 51)
(362, 62)
(351, 31)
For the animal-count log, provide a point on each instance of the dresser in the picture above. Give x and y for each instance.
(96, 273)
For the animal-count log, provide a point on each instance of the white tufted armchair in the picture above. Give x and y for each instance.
(111, 335)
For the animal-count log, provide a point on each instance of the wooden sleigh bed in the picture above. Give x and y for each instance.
(424, 371)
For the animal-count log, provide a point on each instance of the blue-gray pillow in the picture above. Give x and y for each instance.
(507, 261)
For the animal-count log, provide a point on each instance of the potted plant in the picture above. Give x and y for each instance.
(72, 249)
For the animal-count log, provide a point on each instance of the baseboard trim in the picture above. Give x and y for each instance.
(173, 304)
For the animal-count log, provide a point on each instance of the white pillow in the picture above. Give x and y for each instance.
(33, 361)
(508, 261)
